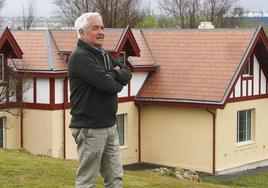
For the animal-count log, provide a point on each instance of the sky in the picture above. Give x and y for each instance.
(45, 8)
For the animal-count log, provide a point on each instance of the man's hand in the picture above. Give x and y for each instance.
(117, 68)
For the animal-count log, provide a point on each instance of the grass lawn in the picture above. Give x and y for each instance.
(20, 169)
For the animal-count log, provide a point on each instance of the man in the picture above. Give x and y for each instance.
(95, 79)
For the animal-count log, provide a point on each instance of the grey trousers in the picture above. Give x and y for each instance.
(98, 151)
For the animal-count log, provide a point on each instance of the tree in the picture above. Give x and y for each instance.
(29, 16)
(184, 12)
(214, 10)
(149, 21)
(115, 13)
(2, 3)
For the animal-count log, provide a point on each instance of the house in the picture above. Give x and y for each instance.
(198, 98)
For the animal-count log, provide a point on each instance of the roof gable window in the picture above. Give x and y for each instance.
(248, 71)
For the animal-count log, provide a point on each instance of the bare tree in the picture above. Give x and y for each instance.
(214, 10)
(184, 12)
(29, 16)
(115, 13)
(2, 3)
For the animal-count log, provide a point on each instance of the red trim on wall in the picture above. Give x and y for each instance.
(129, 89)
(65, 85)
(34, 90)
(246, 87)
(52, 90)
(125, 99)
(241, 86)
(247, 98)
(138, 102)
(43, 75)
(259, 80)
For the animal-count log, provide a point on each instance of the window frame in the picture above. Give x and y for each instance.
(4, 132)
(248, 140)
(124, 57)
(124, 131)
(249, 67)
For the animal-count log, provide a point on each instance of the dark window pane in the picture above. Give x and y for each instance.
(120, 129)
(244, 126)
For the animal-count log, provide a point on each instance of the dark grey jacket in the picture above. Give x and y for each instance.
(94, 85)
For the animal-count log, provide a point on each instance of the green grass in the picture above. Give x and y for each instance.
(23, 170)
(259, 180)
(20, 169)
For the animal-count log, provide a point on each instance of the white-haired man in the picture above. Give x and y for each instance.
(95, 79)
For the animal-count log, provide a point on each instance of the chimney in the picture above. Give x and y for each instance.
(206, 25)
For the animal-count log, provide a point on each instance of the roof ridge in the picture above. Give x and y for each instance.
(147, 44)
(50, 57)
(195, 29)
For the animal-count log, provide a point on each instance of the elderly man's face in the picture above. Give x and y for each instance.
(94, 34)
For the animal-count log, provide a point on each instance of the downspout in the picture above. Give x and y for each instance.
(139, 132)
(64, 117)
(214, 142)
(21, 127)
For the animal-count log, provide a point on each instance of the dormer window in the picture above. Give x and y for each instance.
(248, 71)
(122, 58)
(1, 67)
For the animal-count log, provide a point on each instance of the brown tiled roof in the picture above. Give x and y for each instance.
(34, 47)
(67, 40)
(195, 65)
(146, 57)
(42, 49)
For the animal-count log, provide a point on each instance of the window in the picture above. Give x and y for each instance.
(244, 126)
(120, 125)
(248, 71)
(122, 58)
(2, 132)
(1, 67)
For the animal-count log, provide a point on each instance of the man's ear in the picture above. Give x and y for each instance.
(81, 31)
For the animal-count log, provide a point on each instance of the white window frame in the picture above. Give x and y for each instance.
(124, 57)
(247, 141)
(2, 67)
(248, 66)
(125, 131)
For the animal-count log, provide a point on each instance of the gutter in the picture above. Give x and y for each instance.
(213, 142)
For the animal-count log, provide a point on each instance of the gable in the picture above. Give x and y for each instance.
(250, 86)
(254, 84)
(9, 45)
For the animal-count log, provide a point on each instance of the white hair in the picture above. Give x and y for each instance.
(82, 21)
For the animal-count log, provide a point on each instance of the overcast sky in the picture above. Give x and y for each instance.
(45, 7)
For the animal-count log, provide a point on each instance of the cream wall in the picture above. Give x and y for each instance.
(11, 128)
(228, 153)
(129, 153)
(177, 136)
(43, 132)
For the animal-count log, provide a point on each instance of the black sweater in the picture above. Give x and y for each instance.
(94, 85)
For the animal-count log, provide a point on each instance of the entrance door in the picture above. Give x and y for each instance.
(1, 132)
